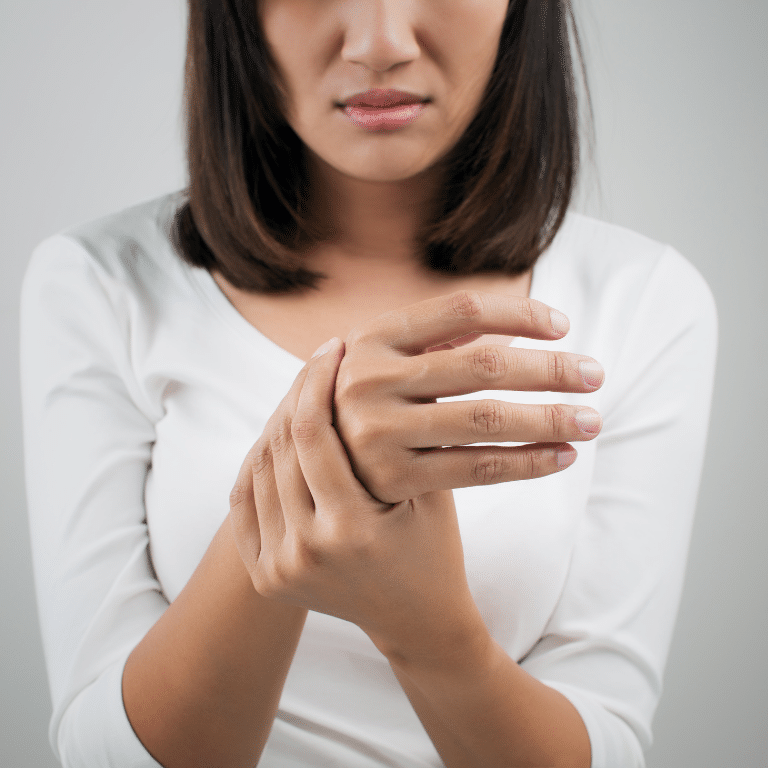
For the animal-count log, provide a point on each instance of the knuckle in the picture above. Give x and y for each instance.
(308, 555)
(488, 469)
(267, 579)
(350, 538)
(261, 583)
(555, 417)
(528, 312)
(280, 438)
(532, 465)
(536, 464)
(488, 363)
(488, 418)
(345, 383)
(556, 369)
(466, 304)
(355, 337)
(361, 335)
(279, 573)
(353, 382)
(291, 567)
(306, 430)
(361, 434)
(261, 458)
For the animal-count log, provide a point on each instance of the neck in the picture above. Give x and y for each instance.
(372, 221)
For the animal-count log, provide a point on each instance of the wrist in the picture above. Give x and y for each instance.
(461, 641)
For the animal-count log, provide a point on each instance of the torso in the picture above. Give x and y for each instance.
(300, 324)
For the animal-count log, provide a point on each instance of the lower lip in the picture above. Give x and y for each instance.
(384, 119)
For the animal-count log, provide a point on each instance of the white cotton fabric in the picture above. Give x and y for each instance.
(143, 389)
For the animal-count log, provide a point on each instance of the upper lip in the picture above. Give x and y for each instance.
(379, 97)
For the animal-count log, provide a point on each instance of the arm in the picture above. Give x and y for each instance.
(220, 652)
(396, 568)
(592, 683)
(606, 644)
(203, 686)
(479, 707)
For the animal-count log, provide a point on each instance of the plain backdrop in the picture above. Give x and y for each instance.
(90, 93)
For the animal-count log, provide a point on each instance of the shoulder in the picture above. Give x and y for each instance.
(614, 272)
(630, 299)
(608, 256)
(125, 251)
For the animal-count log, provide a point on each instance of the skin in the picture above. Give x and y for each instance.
(386, 553)
(374, 188)
(344, 504)
(299, 509)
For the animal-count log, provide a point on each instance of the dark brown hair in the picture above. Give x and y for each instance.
(509, 178)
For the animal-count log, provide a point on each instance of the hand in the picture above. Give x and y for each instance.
(310, 534)
(397, 365)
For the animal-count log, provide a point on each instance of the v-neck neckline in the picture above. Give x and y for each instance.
(218, 300)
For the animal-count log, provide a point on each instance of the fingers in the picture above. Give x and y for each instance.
(314, 388)
(321, 455)
(435, 322)
(290, 486)
(255, 509)
(295, 497)
(479, 421)
(463, 467)
(492, 366)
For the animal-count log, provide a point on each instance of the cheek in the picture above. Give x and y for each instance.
(282, 25)
(475, 35)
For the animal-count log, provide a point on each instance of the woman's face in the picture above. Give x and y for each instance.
(330, 50)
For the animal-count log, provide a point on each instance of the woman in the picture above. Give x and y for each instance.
(387, 585)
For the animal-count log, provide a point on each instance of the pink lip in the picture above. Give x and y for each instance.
(380, 97)
(386, 119)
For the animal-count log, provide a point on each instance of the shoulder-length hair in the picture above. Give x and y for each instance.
(509, 178)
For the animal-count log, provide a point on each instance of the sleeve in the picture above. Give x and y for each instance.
(606, 644)
(87, 444)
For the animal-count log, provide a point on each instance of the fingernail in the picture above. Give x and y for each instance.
(566, 456)
(588, 420)
(559, 321)
(324, 348)
(592, 373)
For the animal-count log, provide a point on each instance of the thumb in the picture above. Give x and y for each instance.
(322, 457)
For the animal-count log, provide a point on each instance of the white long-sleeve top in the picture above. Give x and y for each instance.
(143, 389)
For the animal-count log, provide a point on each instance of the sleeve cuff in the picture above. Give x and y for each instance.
(95, 731)
(612, 741)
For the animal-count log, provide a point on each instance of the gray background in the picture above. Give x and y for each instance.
(91, 102)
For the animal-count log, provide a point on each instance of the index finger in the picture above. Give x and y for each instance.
(435, 321)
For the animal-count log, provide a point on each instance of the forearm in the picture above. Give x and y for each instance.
(480, 708)
(203, 686)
